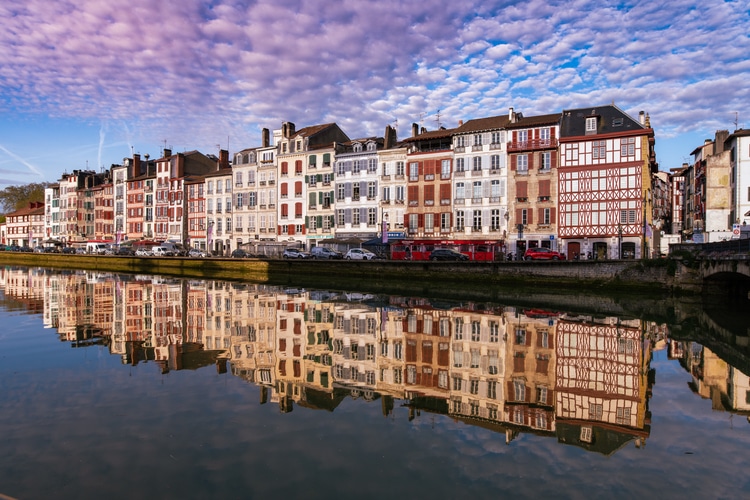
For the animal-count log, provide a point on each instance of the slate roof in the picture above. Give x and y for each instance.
(612, 120)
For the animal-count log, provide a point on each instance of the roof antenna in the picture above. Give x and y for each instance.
(736, 120)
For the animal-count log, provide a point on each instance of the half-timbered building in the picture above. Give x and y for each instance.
(604, 183)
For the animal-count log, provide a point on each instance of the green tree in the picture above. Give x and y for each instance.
(15, 197)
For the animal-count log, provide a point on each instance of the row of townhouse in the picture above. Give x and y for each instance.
(579, 182)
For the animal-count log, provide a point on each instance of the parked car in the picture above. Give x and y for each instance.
(143, 252)
(51, 249)
(68, 250)
(447, 254)
(126, 250)
(194, 252)
(241, 254)
(294, 253)
(359, 254)
(325, 253)
(542, 254)
(26, 249)
(39, 249)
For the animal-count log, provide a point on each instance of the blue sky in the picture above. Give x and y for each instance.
(85, 83)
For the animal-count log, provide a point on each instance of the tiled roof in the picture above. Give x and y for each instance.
(480, 124)
(611, 120)
(533, 121)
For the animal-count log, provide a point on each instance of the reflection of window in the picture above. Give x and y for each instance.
(623, 416)
(521, 336)
(586, 434)
(492, 389)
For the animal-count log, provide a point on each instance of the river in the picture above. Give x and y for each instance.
(139, 386)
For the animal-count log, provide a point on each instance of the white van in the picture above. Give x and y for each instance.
(161, 251)
(96, 248)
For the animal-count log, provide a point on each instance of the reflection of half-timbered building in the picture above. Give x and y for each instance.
(602, 383)
(604, 179)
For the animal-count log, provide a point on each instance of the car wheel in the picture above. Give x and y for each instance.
(348, 258)
(433, 259)
(555, 257)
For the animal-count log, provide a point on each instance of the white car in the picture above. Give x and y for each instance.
(359, 254)
(144, 252)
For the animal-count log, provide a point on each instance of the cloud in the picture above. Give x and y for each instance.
(196, 71)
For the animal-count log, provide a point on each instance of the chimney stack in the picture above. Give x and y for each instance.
(287, 130)
(511, 115)
(389, 138)
(167, 153)
(223, 159)
(265, 138)
(414, 129)
(642, 118)
(135, 168)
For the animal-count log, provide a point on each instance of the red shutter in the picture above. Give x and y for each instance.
(522, 189)
(519, 216)
(284, 189)
(531, 161)
(515, 136)
(406, 220)
(552, 132)
(420, 220)
(284, 168)
(544, 187)
(513, 160)
(552, 215)
(290, 229)
(530, 215)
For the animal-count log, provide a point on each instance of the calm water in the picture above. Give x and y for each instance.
(147, 387)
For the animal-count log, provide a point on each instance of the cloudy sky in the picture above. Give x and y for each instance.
(84, 83)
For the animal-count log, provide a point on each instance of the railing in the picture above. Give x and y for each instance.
(532, 144)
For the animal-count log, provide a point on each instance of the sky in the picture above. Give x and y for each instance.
(86, 83)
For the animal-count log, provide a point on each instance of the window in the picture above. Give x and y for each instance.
(476, 163)
(520, 336)
(413, 223)
(460, 165)
(495, 219)
(413, 171)
(460, 221)
(445, 222)
(478, 139)
(627, 146)
(460, 194)
(544, 134)
(522, 164)
(495, 162)
(476, 192)
(596, 411)
(496, 138)
(494, 331)
(546, 160)
(429, 223)
(458, 329)
(371, 216)
(545, 217)
(477, 222)
(590, 124)
(599, 150)
(445, 169)
(400, 168)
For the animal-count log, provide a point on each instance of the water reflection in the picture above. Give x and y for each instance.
(582, 379)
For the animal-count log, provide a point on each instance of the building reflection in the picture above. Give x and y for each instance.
(583, 380)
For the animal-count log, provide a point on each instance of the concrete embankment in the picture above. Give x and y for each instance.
(650, 277)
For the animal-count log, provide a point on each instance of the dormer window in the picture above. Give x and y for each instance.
(358, 148)
(591, 125)
(370, 146)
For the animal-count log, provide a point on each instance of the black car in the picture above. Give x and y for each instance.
(447, 254)
(68, 250)
(241, 254)
(128, 250)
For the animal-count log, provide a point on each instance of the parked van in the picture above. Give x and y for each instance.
(173, 248)
(161, 251)
(96, 248)
(325, 253)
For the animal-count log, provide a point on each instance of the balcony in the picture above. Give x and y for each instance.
(459, 201)
(459, 149)
(385, 177)
(429, 177)
(496, 146)
(476, 148)
(532, 145)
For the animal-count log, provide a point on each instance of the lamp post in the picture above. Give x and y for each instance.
(619, 233)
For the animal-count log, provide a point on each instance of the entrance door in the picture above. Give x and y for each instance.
(574, 250)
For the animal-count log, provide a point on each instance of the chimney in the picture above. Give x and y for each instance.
(223, 159)
(167, 153)
(287, 129)
(460, 122)
(390, 137)
(135, 168)
(265, 138)
(642, 118)
(511, 115)
(414, 129)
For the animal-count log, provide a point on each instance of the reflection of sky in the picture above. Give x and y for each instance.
(77, 423)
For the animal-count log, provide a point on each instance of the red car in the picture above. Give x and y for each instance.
(542, 254)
